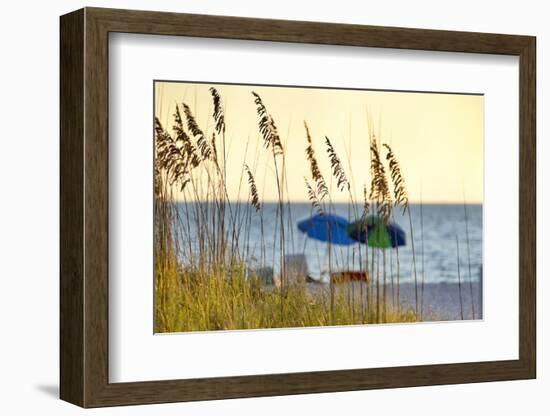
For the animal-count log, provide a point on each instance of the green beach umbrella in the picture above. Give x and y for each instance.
(376, 233)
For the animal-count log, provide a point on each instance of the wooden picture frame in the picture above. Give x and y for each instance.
(84, 207)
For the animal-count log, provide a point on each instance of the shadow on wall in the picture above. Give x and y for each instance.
(48, 389)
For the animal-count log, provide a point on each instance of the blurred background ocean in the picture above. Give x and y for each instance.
(435, 233)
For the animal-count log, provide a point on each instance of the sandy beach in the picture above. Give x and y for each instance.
(442, 301)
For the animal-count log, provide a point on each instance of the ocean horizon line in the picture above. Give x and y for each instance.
(358, 203)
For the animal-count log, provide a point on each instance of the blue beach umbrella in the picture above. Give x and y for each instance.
(375, 233)
(327, 227)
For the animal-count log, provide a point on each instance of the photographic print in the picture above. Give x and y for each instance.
(291, 206)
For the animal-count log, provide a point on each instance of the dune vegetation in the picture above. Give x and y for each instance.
(203, 279)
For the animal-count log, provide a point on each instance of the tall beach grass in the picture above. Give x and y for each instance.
(205, 278)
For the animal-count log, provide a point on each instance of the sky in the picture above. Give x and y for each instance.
(437, 138)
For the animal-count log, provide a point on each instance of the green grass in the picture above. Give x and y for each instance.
(195, 301)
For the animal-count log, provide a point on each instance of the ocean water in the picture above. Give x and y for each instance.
(435, 230)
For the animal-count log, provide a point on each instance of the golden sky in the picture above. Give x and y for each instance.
(438, 138)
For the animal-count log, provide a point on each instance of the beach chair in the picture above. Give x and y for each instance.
(348, 276)
(263, 274)
(297, 270)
